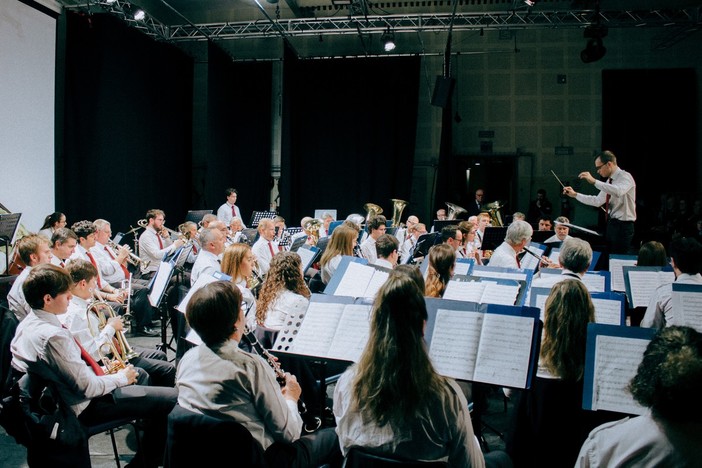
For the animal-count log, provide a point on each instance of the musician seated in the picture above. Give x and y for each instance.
(33, 250)
(442, 261)
(561, 231)
(63, 245)
(155, 243)
(41, 346)
(343, 242)
(85, 327)
(413, 233)
(574, 257)
(265, 248)
(545, 223)
(467, 248)
(218, 378)
(518, 235)
(190, 232)
(376, 228)
(393, 402)
(212, 247)
(236, 232)
(386, 248)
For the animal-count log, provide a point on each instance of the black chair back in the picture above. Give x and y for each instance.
(358, 458)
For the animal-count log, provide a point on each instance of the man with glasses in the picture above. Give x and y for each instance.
(476, 206)
(617, 198)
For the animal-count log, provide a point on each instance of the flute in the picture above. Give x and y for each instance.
(271, 360)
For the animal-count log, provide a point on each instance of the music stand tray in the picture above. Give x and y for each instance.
(257, 216)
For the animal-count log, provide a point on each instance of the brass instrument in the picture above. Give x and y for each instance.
(454, 210)
(312, 227)
(397, 207)
(494, 210)
(121, 352)
(143, 223)
(372, 210)
(255, 281)
(133, 259)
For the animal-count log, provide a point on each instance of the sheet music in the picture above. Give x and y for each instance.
(540, 302)
(306, 255)
(467, 291)
(351, 333)
(504, 294)
(616, 362)
(461, 268)
(499, 274)
(504, 350)
(376, 281)
(193, 338)
(594, 283)
(202, 280)
(163, 276)
(355, 280)
(615, 267)
(644, 283)
(687, 304)
(316, 333)
(607, 311)
(454, 343)
(553, 256)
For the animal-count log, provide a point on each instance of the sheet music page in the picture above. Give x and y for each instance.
(503, 294)
(499, 274)
(376, 281)
(553, 256)
(644, 283)
(454, 343)
(529, 262)
(355, 280)
(540, 302)
(505, 350)
(316, 333)
(594, 283)
(351, 333)
(607, 311)
(193, 338)
(163, 276)
(306, 255)
(616, 362)
(615, 267)
(461, 268)
(688, 307)
(467, 291)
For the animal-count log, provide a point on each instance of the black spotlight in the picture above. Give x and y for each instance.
(595, 49)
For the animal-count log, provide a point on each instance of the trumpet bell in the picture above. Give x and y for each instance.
(454, 210)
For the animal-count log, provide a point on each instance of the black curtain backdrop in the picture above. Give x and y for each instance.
(649, 121)
(349, 135)
(127, 124)
(239, 127)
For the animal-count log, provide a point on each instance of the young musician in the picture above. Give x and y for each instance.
(228, 210)
(219, 378)
(63, 245)
(343, 242)
(52, 223)
(284, 292)
(442, 260)
(386, 248)
(376, 228)
(155, 242)
(44, 348)
(33, 250)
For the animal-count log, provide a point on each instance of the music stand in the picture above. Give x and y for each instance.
(8, 227)
(333, 226)
(493, 237)
(297, 243)
(439, 224)
(319, 213)
(196, 215)
(540, 236)
(257, 216)
(426, 242)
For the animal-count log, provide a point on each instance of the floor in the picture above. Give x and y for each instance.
(13, 455)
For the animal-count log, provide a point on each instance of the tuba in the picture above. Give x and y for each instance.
(494, 210)
(454, 210)
(397, 207)
(372, 210)
(120, 349)
(312, 227)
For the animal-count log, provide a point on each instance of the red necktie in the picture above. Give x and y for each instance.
(87, 358)
(609, 181)
(519, 264)
(62, 264)
(270, 247)
(124, 268)
(233, 211)
(92, 260)
(160, 242)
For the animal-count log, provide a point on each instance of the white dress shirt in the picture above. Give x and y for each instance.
(224, 214)
(287, 304)
(76, 320)
(234, 384)
(622, 191)
(205, 264)
(660, 312)
(504, 256)
(43, 347)
(381, 262)
(151, 250)
(329, 269)
(15, 298)
(110, 269)
(263, 254)
(368, 250)
(81, 253)
(407, 249)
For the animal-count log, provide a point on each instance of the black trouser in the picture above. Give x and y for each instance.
(620, 235)
(309, 451)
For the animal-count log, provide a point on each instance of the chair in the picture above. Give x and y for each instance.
(359, 458)
(109, 427)
(195, 439)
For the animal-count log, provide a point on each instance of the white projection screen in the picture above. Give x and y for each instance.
(27, 77)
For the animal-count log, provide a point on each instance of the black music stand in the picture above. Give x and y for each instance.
(8, 227)
(439, 224)
(493, 237)
(540, 236)
(257, 216)
(196, 215)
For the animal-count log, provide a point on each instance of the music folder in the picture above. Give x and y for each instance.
(483, 343)
(612, 357)
(485, 290)
(687, 304)
(641, 283)
(355, 277)
(610, 307)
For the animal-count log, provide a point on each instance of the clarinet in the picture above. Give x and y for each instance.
(270, 359)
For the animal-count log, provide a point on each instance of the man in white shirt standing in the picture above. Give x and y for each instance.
(228, 210)
(207, 262)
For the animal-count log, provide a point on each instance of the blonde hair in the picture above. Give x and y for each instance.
(233, 256)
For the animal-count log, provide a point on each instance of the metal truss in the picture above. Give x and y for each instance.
(681, 19)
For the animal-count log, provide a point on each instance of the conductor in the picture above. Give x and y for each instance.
(617, 198)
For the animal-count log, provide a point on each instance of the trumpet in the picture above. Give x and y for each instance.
(133, 259)
(143, 223)
(119, 347)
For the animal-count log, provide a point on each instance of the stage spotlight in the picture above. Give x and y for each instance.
(388, 40)
(595, 49)
(139, 14)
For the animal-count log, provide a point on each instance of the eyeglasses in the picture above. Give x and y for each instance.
(597, 168)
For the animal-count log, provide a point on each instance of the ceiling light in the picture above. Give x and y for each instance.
(388, 40)
(594, 49)
(139, 14)
(530, 3)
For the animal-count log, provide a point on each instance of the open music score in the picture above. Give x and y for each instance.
(483, 343)
(354, 277)
(482, 290)
(616, 264)
(595, 281)
(612, 357)
(641, 283)
(610, 308)
(687, 304)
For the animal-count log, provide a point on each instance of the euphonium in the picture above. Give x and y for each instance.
(312, 227)
(372, 210)
(121, 351)
(397, 207)
(454, 210)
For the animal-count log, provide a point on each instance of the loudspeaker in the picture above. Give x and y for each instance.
(443, 88)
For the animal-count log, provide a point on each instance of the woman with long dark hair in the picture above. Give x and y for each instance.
(52, 222)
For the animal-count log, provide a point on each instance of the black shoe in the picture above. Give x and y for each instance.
(145, 331)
